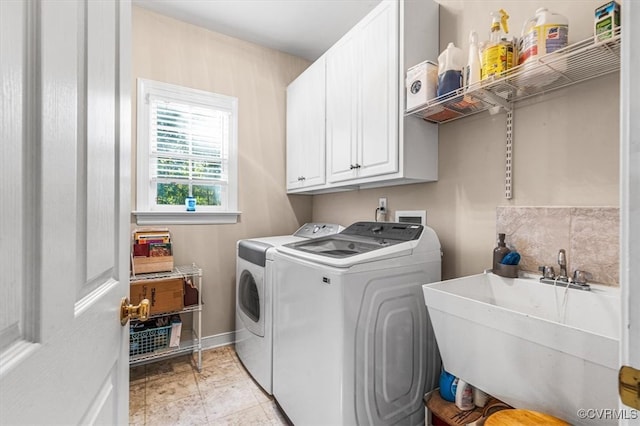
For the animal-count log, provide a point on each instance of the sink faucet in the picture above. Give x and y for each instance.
(562, 261)
(579, 280)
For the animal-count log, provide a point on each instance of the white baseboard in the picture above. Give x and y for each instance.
(217, 340)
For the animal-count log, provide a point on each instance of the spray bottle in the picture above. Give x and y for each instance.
(498, 55)
(473, 70)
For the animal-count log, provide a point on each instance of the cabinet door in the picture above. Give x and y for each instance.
(362, 98)
(306, 128)
(378, 92)
(342, 76)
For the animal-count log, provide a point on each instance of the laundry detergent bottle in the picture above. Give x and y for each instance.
(464, 396)
(450, 66)
(546, 32)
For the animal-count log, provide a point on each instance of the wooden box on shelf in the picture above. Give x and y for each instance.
(151, 251)
(164, 295)
(145, 265)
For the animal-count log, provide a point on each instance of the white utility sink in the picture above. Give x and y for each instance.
(532, 345)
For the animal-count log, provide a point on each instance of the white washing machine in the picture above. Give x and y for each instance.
(352, 340)
(254, 298)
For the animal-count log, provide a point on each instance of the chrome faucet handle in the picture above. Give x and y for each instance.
(547, 271)
(581, 277)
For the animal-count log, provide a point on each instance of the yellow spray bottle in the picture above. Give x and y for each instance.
(498, 55)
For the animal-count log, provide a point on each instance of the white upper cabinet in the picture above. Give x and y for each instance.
(369, 142)
(378, 93)
(306, 128)
(362, 75)
(342, 109)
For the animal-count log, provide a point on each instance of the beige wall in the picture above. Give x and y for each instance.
(565, 150)
(565, 147)
(175, 52)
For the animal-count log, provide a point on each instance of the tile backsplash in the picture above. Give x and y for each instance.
(590, 236)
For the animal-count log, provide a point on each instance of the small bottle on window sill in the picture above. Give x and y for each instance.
(190, 203)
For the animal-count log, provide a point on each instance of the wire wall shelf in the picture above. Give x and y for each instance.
(578, 62)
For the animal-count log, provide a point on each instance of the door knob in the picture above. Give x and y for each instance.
(629, 386)
(129, 311)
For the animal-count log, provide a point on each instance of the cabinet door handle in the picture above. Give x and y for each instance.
(351, 167)
(357, 166)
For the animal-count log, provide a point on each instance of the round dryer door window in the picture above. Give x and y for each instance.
(249, 296)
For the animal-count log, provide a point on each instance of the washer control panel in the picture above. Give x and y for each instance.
(316, 230)
(388, 230)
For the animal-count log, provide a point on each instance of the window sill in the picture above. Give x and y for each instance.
(185, 218)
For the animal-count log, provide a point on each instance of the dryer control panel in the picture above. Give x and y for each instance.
(387, 230)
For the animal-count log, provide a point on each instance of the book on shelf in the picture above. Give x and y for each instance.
(159, 249)
(140, 250)
(151, 242)
(156, 238)
(151, 235)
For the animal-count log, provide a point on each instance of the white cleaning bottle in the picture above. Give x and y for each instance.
(464, 396)
(544, 33)
(473, 70)
(450, 65)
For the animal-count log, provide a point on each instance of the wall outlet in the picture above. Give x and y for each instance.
(382, 204)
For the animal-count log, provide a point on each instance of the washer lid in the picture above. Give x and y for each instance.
(359, 238)
(340, 246)
(364, 242)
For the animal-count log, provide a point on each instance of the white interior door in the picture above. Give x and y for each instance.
(64, 211)
(630, 199)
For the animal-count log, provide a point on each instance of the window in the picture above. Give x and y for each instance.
(187, 147)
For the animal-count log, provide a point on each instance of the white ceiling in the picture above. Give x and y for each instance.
(304, 28)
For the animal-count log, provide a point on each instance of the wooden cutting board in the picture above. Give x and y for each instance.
(517, 417)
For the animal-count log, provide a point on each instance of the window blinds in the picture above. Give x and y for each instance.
(188, 143)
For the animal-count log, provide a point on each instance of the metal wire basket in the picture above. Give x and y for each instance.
(149, 340)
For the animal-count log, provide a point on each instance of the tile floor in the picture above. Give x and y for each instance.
(173, 392)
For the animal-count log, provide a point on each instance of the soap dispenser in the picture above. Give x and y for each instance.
(499, 252)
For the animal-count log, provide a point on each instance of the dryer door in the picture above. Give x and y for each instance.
(250, 298)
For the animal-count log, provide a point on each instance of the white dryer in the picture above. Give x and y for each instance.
(254, 298)
(353, 343)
